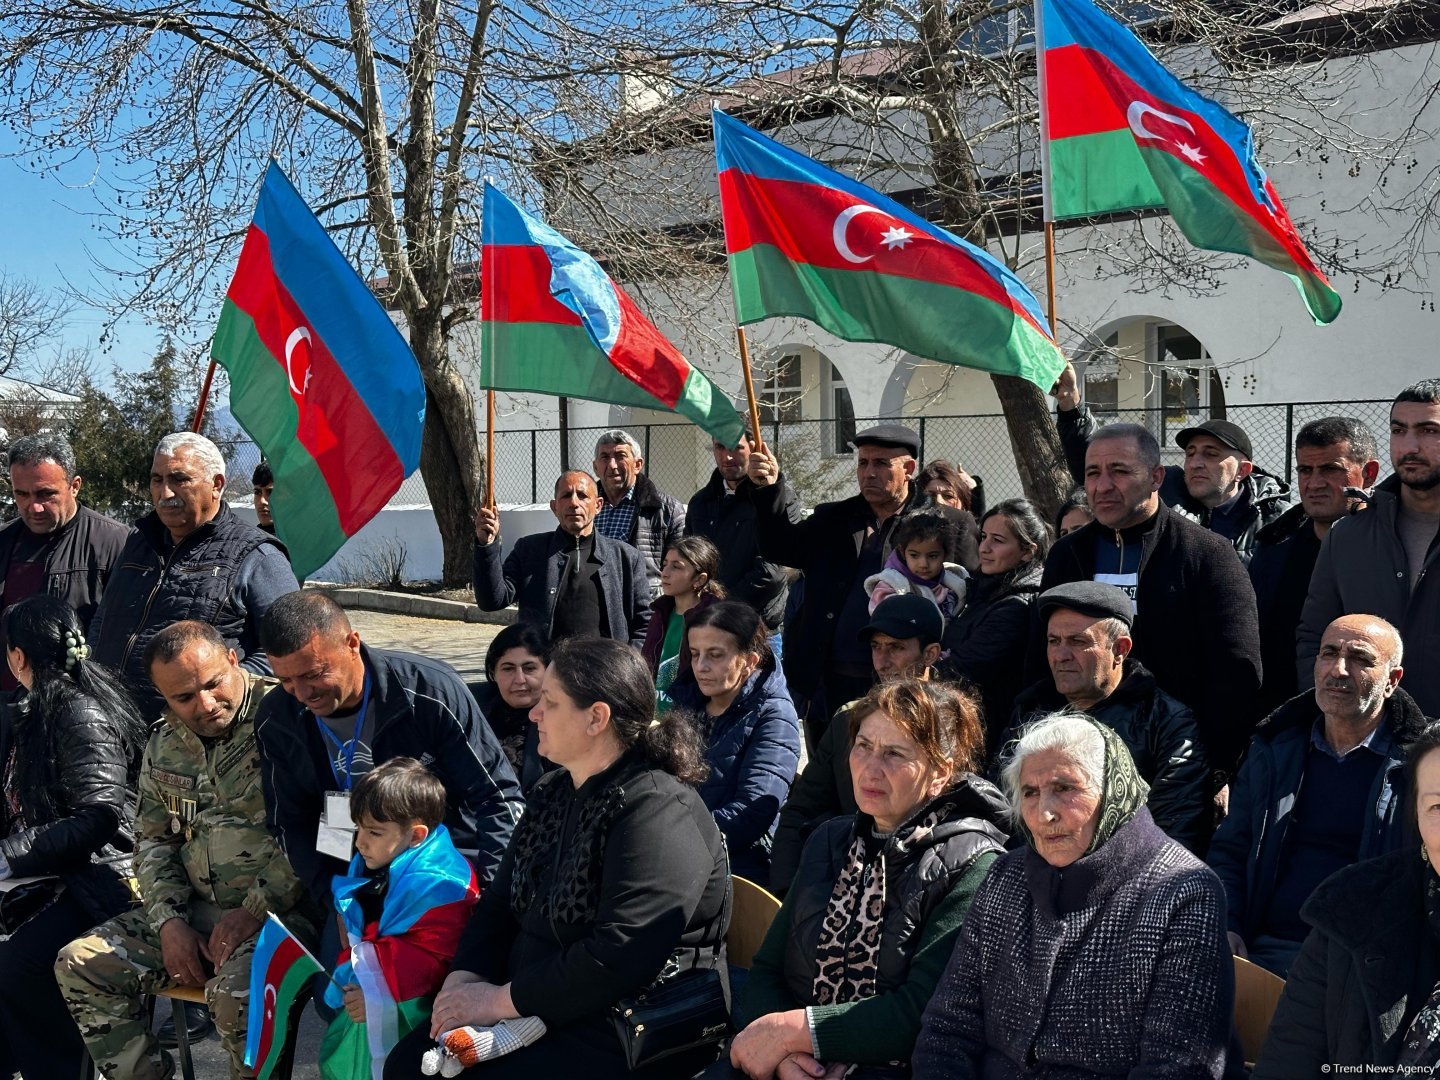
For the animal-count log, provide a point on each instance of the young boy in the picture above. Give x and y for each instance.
(402, 908)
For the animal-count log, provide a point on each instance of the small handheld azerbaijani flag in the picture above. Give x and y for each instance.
(806, 240)
(319, 376)
(1120, 132)
(279, 970)
(555, 323)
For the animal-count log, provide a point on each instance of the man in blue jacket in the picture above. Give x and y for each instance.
(342, 708)
(1321, 788)
(573, 582)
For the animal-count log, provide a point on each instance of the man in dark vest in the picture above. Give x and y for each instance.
(189, 558)
(54, 545)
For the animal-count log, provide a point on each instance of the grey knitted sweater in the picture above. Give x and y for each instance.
(1115, 966)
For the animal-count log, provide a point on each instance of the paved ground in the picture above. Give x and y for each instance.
(462, 646)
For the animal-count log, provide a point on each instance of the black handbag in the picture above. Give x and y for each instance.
(679, 1012)
(21, 903)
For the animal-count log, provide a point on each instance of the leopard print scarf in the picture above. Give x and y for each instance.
(848, 952)
(573, 895)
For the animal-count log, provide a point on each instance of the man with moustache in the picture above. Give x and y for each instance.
(54, 545)
(1383, 562)
(632, 509)
(1321, 788)
(189, 558)
(573, 582)
(208, 872)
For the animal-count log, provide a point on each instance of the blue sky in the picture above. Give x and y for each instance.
(48, 231)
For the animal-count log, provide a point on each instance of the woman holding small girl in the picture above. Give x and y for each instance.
(922, 561)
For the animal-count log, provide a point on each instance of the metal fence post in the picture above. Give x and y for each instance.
(1289, 440)
(922, 440)
(534, 470)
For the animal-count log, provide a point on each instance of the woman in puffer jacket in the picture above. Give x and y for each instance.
(68, 743)
(751, 732)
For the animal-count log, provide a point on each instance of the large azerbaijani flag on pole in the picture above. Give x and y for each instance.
(279, 970)
(1120, 132)
(320, 378)
(555, 323)
(806, 240)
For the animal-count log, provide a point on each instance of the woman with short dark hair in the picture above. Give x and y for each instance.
(751, 732)
(514, 667)
(67, 748)
(615, 876)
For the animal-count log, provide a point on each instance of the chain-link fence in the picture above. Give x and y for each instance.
(816, 459)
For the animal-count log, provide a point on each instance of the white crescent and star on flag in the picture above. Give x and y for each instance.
(298, 386)
(1136, 114)
(893, 237)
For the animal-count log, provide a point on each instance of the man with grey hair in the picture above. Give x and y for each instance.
(1194, 625)
(54, 545)
(1088, 646)
(189, 558)
(1322, 787)
(632, 509)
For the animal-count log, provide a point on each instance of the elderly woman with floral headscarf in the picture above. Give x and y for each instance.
(1099, 948)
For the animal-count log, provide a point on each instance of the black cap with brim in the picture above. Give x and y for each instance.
(1232, 435)
(906, 616)
(1093, 598)
(894, 436)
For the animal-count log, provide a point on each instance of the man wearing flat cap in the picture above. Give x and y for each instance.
(1087, 644)
(838, 547)
(1219, 485)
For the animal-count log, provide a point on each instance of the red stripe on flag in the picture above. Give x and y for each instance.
(287, 953)
(1077, 101)
(799, 219)
(520, 292)
(354, 455)
(1221, 165)
(644, 356)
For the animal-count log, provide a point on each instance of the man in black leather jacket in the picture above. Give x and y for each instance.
(1088, 648)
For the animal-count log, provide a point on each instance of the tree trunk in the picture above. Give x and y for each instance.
(1035, 442)
(450, 459)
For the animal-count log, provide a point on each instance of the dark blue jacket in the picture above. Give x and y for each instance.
(422, 710)
(753, 750)
(530, 578)
(1246, 850)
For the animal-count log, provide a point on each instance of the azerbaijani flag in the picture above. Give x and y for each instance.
(806, 240)
(1119, 132)
(554, 323)
(279, 970)
(400, 960)
(320, 378)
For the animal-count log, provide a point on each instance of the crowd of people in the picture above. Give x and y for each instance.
(1062, 771)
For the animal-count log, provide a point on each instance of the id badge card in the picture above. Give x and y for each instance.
(336, 834)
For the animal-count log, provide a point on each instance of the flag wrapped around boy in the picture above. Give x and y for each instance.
(400, 959)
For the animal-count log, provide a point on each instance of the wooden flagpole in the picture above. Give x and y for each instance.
(204, 396)
(750, 387)
(1050, 276)
(490, 449)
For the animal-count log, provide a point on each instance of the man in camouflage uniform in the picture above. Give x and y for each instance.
(209, 871)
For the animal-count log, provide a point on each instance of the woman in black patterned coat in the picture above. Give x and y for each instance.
(1096, 950)
(616, 870)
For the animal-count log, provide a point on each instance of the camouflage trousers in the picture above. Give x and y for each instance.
(104, 976)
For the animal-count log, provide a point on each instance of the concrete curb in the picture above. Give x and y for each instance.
(424, 607)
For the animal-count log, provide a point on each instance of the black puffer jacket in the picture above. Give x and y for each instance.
(1160, 734)
(76, 790)
(728, 521)
(918, 877)
(985, 644)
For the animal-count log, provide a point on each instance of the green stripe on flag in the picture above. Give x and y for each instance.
(1210, 219)
(551, 358)
(305, 516)
(940, 322)
(294, 981)
(1099, 174)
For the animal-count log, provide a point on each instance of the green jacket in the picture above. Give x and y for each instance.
(201, 823)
